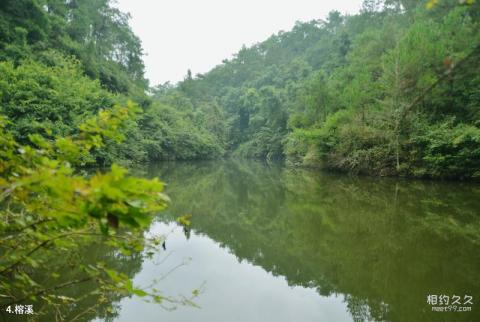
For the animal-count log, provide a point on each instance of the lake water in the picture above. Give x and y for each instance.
(268, 243)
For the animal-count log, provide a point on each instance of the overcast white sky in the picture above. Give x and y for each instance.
(198, 34)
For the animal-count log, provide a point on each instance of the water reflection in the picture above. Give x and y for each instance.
(274, 244)
(90, 304)
(230, 290)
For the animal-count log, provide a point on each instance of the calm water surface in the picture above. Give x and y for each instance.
(269, 243)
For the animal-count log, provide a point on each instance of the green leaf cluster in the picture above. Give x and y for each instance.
(48, 209)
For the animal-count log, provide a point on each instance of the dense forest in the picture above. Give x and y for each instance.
(393, 91)
(63, 61)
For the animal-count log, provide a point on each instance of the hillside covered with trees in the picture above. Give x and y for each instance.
(393, 90)
(63, 61)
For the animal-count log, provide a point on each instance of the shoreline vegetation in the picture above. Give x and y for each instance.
(393, 91)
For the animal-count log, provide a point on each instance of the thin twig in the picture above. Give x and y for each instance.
(53, 288)
(419, 98)
(18, 231)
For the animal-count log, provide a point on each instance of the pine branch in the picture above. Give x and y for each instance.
(462, 62)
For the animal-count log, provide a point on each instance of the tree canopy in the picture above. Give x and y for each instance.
(392, 90)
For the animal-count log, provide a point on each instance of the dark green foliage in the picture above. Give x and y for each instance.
(393, 90)
(364, 93)
(63, 61)
(97, 34)
(446, 149)
(37, 97)
(412, 111)
(173, 134)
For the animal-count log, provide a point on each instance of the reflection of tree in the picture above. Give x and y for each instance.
(384, 244)
(89, 303)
